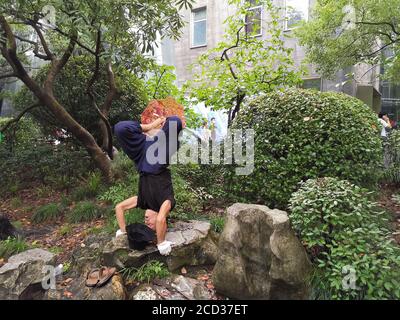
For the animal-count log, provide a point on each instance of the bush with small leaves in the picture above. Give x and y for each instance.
(12, 246)
(345, 232)
(305, 134)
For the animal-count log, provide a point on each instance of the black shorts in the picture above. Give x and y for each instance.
(154, 189)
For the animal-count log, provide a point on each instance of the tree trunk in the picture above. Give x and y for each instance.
(100, 159)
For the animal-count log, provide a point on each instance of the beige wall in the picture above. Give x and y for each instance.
(217, 12)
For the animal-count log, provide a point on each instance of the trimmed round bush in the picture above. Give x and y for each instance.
(304, 134)
(348, 239)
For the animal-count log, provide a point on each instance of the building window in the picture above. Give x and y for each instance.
(254, 18)
(312, 83)
(199, 27)
(296, 12)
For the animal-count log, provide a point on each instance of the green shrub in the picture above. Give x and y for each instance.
(48, 212)
(84, 211)
(12, 246)
(304, 134)
(147, 272)
(343, 230)
(54, 166)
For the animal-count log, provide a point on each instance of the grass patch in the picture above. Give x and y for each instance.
(12, 246)
(217, 223)
(65, 229)
(56, 250)
(47, 212)
(17, 224)
(15, 203)
(147, 272)
(84, 211)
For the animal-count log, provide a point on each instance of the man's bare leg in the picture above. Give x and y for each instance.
(161, 221)
(120, 209)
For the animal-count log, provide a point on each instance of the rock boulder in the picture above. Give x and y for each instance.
(260, 256)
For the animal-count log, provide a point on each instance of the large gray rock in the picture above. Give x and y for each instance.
(22, 271)
(114, 289)
(194, 244)
(176, 287)
(260, 256)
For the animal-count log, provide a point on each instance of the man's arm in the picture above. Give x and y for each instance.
(156, 124)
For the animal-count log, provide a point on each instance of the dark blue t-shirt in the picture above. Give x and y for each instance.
(136, 144)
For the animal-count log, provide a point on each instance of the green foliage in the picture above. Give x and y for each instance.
(56, 250)
(84, 211)
(131, 216)
(122, 190)
(392, 146)
(43, 163)
(304, 134)
(12, 246)
(343, 230)
(16, 203)
(65, 230)
(70, 92)
(332, 44)
(67, 267)
(187, 203)
(161, 84)
(251, 65)
(217, 223)
(48, 212)
(147, 272)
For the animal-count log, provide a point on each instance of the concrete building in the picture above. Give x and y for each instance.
(204, 29)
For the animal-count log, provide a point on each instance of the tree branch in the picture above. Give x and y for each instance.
(36, 49)
(43, 42)
(17, 118)
(391, 25)
(57, 65)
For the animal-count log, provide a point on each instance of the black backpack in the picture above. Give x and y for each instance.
(139, 236)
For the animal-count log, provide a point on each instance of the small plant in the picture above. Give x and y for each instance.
(67, 267)
(17, 224)
(47, 212)
(56, 250)
(84, 211)
(43, 191)
(94, 184)
(147, 272)
(16, 203)
(65, 202)
(12, 246)
(217, 223)
(80, 193)
(65, 229)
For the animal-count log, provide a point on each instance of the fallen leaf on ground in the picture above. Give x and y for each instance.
(68, 294)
